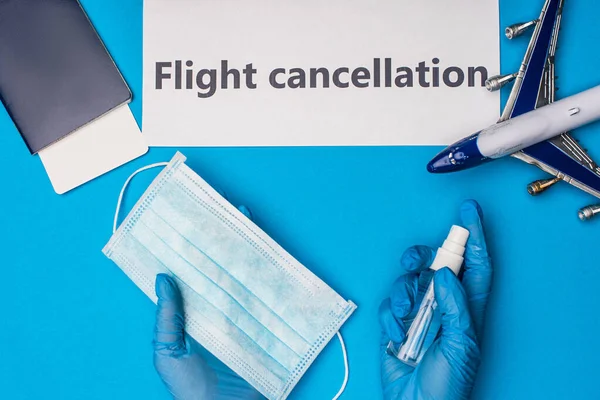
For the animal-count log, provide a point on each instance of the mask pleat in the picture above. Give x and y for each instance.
(246, 357)
(248, 262)
(143, 275)
(222, 309)
(197, 262)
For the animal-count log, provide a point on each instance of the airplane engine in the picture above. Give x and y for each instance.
(540, 186)
(588, 212)
(497, 82)
(516, 30)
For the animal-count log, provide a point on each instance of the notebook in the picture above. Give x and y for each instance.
(55, 73)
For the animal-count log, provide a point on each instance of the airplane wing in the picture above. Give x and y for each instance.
(535, 86)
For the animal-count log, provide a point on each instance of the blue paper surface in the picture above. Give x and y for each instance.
(74, 327)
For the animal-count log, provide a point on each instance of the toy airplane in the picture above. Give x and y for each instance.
(533, 127)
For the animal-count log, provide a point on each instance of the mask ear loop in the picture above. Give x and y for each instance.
(161, 164)
(346, 368)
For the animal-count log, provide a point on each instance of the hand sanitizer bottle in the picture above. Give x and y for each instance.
(449, 255)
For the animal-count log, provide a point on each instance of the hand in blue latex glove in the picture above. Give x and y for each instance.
(449, 367)
(188, 370)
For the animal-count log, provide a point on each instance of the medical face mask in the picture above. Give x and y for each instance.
(246, 300)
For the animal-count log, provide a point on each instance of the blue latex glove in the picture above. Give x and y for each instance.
(188, 370)
(449, 366)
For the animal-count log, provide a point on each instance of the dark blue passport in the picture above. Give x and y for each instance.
(55, 73)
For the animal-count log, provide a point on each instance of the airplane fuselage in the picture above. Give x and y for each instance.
(512, 135)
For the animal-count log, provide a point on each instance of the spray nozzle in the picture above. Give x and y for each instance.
(456, 240)
(451, 253)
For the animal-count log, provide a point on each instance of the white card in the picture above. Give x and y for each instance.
(99, 147)
(372, 47)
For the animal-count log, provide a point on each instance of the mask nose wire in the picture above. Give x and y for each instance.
(116, 220)
(346, 368)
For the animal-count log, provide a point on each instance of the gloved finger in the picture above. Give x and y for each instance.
(243, 209)
(392, 328)
(169, 333)
(392, 369)
(222, 193)
(456, 352)
(403, 295)
(457, 332)
(394, 373)
(246, 211)
(416, 259)
(477, 278)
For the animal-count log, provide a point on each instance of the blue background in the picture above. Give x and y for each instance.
(72, 326)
